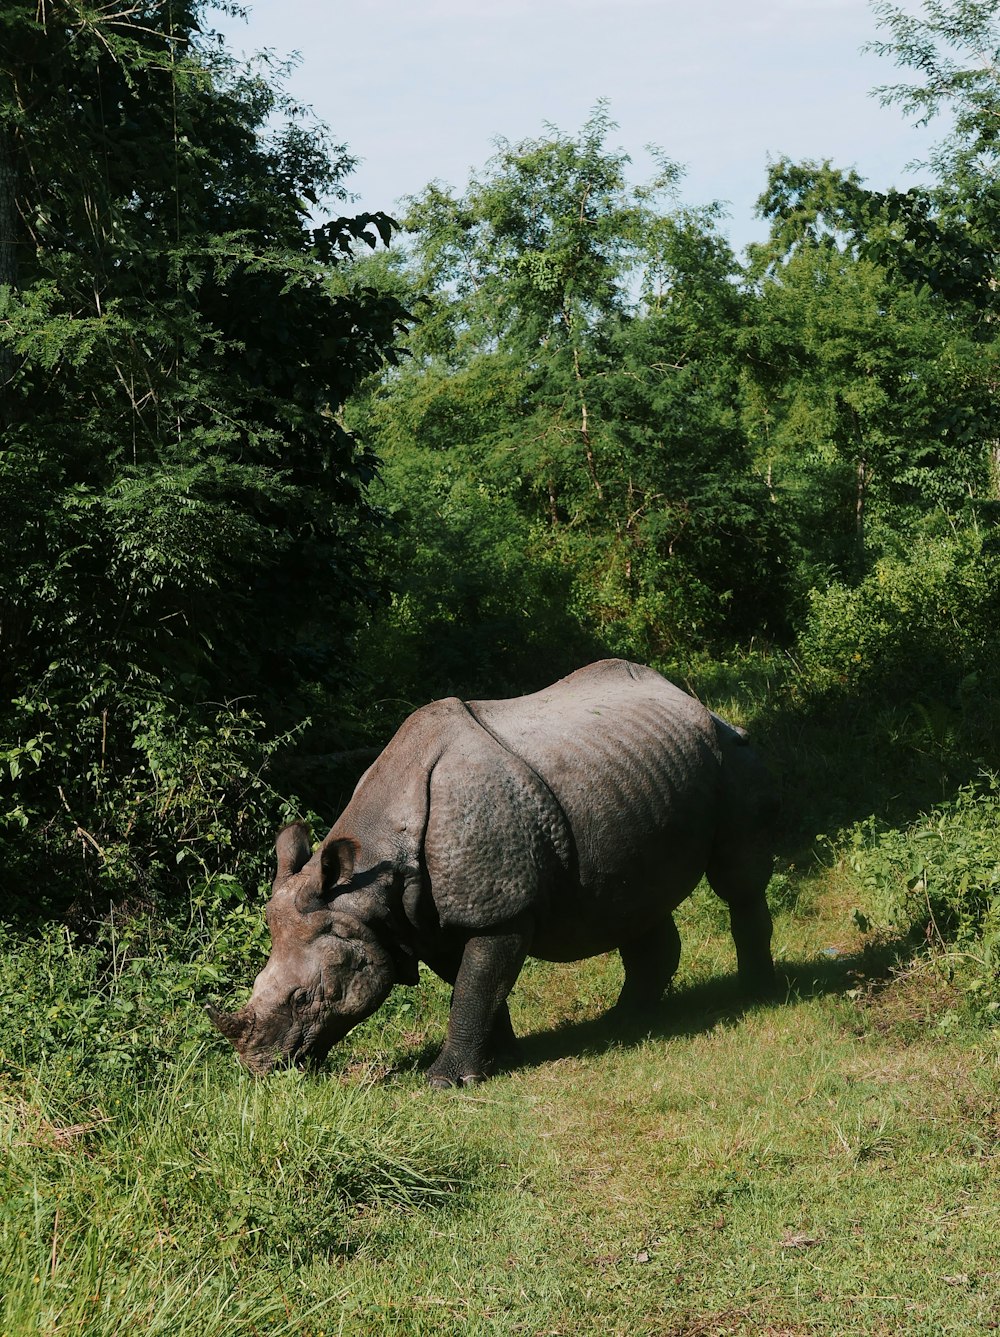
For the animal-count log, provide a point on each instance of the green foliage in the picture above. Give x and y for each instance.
(540, 247)
(164, 798)
(116, 1001)
(923, 621)
(877, 351)
(175, 461)
(576, 356)
(863, 392)
(479, 603)
(688, 1176)
(939, 877)
(689, 547)
(188, 521)
(952, 47)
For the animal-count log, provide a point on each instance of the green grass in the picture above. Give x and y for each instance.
(193, 1205)
(826, 1165)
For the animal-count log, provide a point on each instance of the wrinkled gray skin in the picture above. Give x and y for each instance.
(561, 825)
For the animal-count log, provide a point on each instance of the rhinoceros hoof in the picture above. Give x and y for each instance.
(760, 987)
(440, 1081)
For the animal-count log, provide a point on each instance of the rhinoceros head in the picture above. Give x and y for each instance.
(327, 970)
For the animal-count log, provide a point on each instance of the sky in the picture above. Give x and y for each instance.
(420, 90)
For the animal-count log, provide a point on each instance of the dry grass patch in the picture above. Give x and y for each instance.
(27, 1126)
(914, 998)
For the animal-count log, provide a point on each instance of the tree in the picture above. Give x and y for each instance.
(951, 231)
(532, 263)
(855, 375)
(874, 374)
(576, 352)
(190, 514)
(695, 544)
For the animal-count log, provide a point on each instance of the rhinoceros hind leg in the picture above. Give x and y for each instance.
(650, 962)
(750, 923)
(740, 869)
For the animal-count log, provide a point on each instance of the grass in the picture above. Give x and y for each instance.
(826, 1165)
(192, 1206)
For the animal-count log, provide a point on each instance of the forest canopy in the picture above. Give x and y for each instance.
(189, 516)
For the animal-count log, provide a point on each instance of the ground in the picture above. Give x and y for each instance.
(827, 1164)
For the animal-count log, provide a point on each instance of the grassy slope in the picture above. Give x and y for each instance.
(828, 1165)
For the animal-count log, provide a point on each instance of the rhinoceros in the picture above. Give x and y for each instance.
(563, 824)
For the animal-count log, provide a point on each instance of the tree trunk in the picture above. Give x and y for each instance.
(860, 503)
(8, 254)
(588, 448)
(8, 211)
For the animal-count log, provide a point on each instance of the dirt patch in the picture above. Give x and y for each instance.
(36, 1131)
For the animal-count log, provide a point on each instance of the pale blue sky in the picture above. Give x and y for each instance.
(419, 89)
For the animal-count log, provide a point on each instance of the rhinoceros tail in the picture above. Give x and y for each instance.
(736, 735)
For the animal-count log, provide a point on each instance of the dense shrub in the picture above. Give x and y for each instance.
(128, 998)
(479, 605)
(939, 877)
(173, 797)
(923, 618)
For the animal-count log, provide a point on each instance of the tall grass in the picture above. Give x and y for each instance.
(190, 1204)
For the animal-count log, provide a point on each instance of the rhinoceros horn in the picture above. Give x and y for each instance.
(235, 1026)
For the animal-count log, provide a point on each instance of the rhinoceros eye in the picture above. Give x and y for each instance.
(301, 1000)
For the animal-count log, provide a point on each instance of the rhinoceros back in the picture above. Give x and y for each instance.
(634, 764)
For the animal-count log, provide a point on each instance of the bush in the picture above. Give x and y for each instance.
(924, 618)
(130, 799)
(129, 999)
(479, 607)
(137, 874)
(939, 877)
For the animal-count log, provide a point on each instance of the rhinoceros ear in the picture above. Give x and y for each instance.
(338, 859)
(293, 848)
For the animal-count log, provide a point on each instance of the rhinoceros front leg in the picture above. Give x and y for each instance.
(479, 1022)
